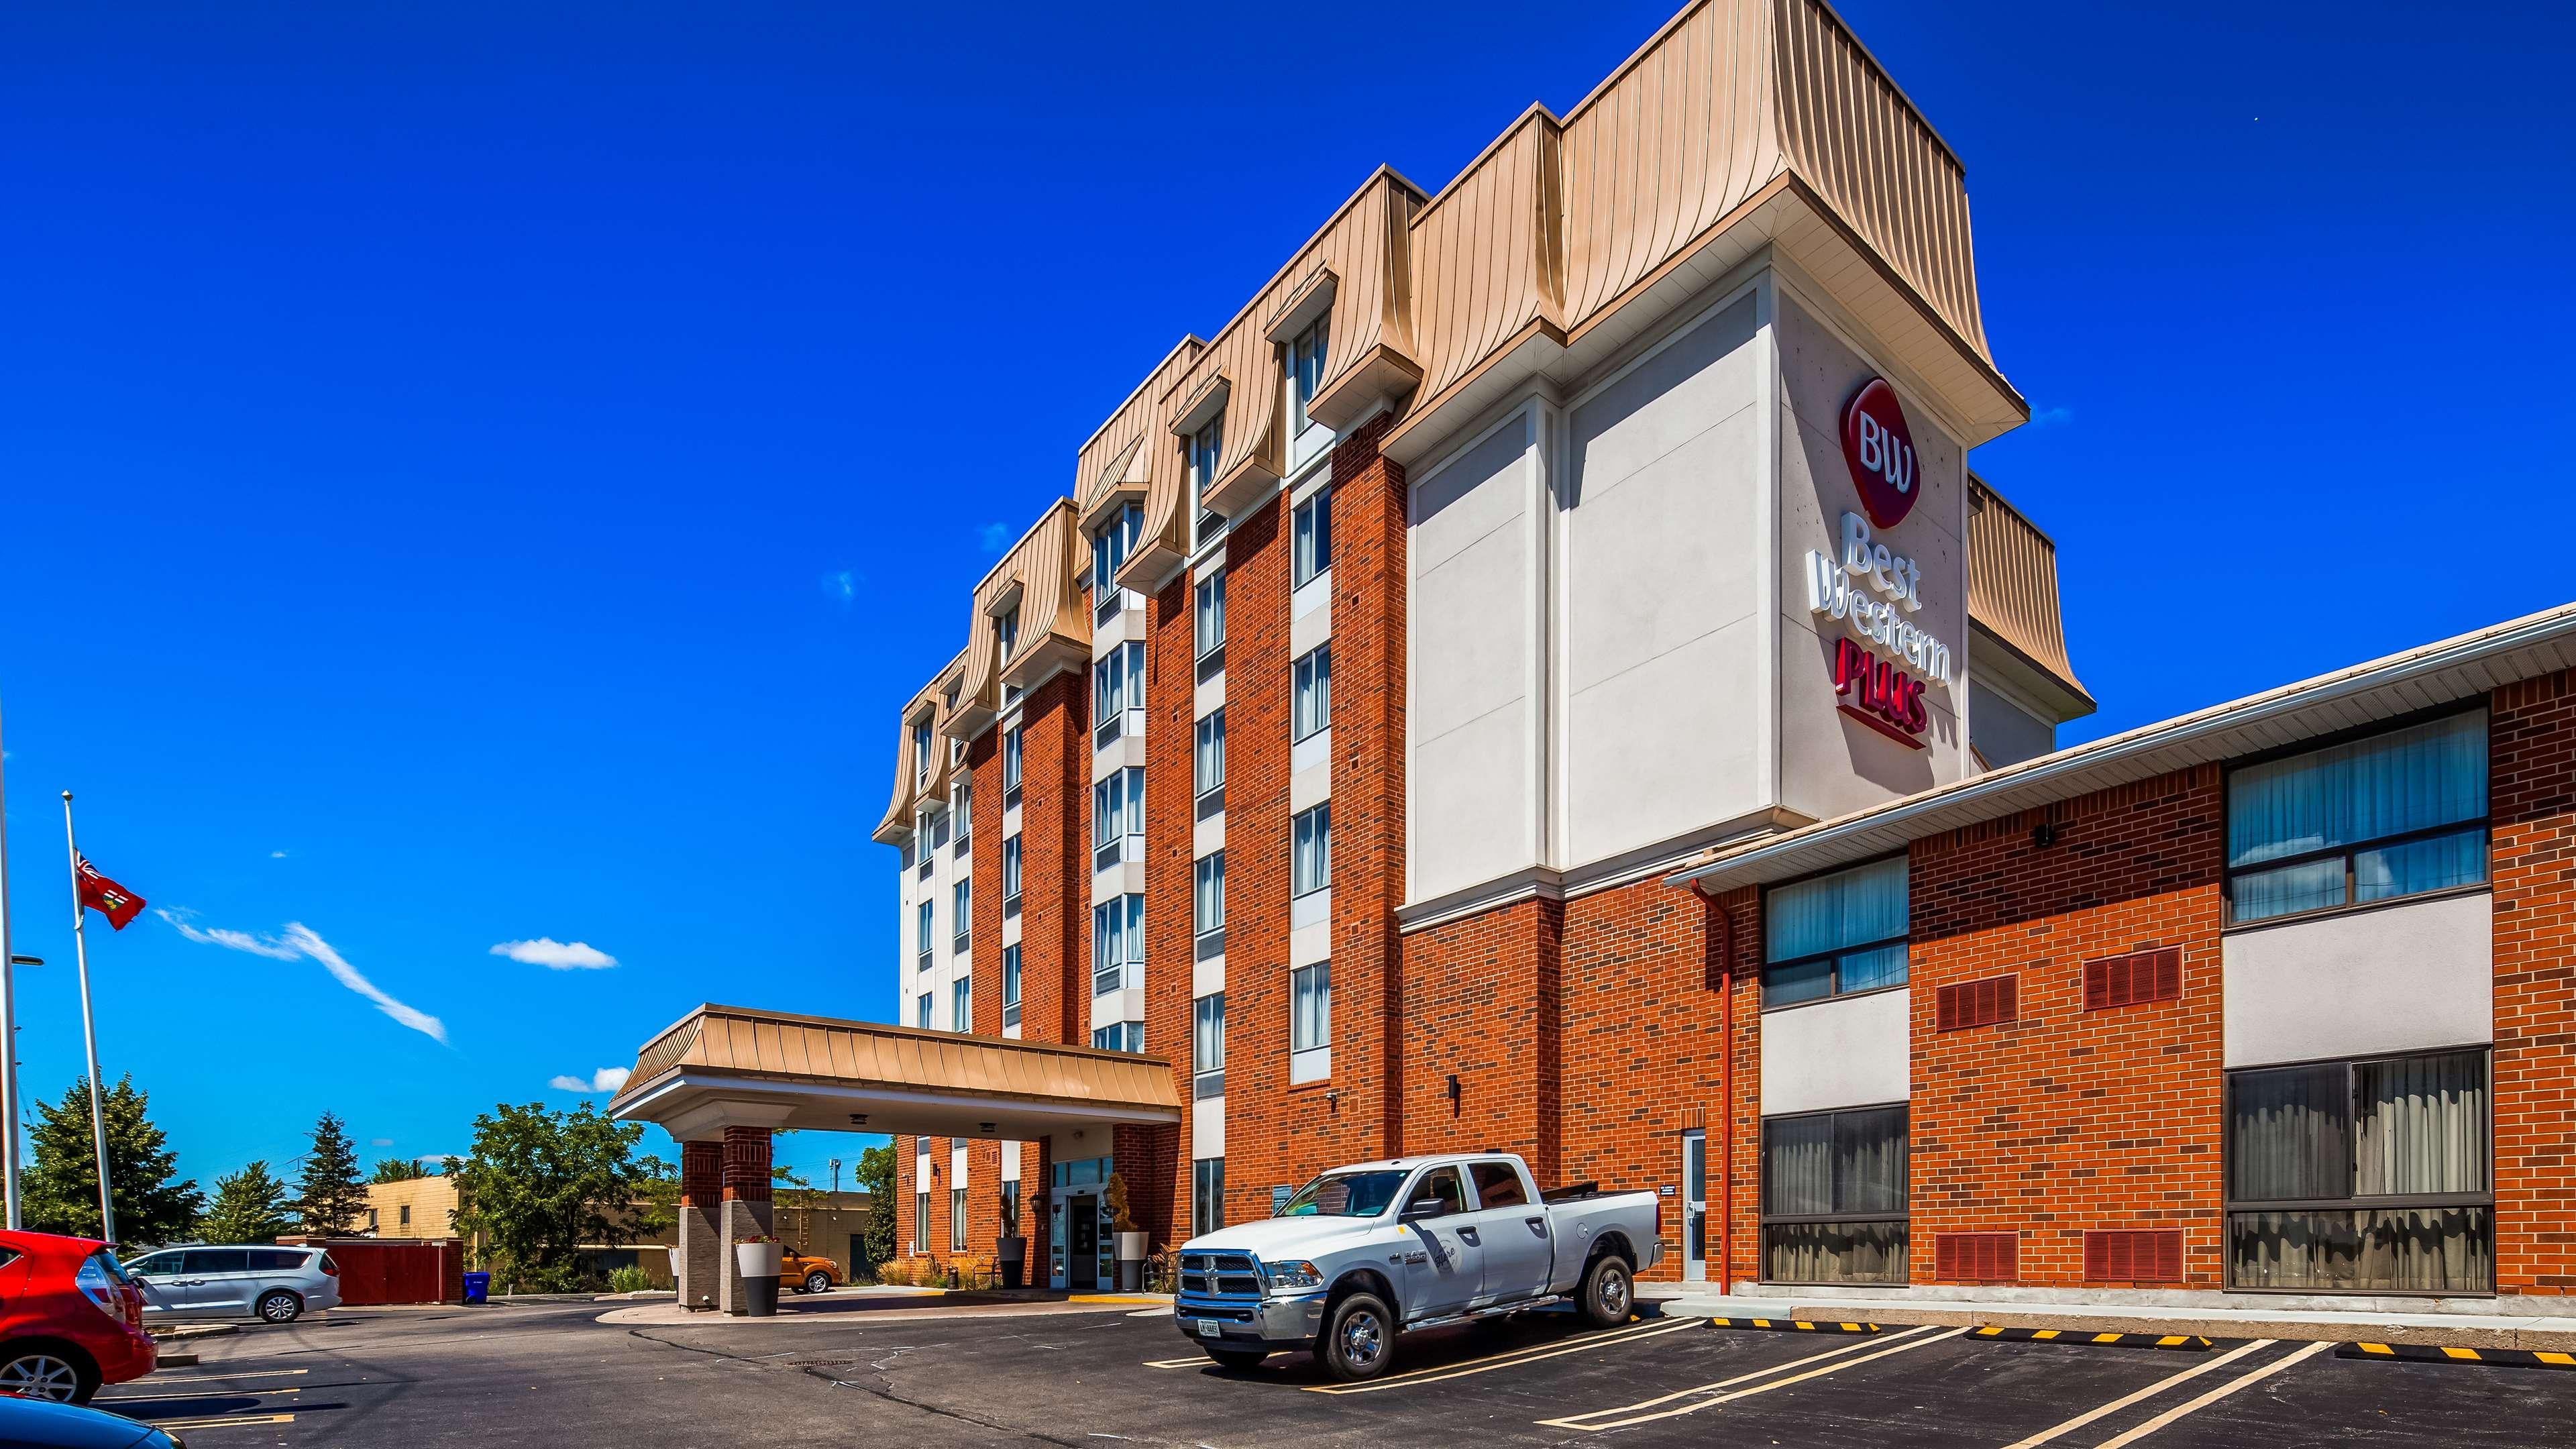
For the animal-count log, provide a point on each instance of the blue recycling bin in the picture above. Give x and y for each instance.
(478, 1287)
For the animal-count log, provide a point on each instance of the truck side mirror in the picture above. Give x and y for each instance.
(1424, 1207)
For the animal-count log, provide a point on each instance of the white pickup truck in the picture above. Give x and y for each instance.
(1368, 1251)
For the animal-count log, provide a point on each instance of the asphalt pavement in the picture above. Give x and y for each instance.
(555, 1376)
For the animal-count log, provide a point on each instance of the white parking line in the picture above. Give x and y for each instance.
(1707, 1396)
(2150, 1391)
(247, 1421)
(2213, 1396)
(250, 1374)
(1652, 1328)
(207, 1394)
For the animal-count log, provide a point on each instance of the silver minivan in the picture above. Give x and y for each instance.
(254, 1280)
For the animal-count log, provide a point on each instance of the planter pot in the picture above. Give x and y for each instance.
(1131, 1247)
(1011, 1272)
(1013, 1249)
(758, 1260)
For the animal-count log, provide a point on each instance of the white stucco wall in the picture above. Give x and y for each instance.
(1830, 763)
(1666, 670)
(1850, 1053)
(2401, 978)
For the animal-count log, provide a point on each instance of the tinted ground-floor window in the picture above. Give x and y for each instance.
(2365, 1176)
(1834, 1196)
(1207, 1195)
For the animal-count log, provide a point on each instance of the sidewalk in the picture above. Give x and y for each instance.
(2446, 1330)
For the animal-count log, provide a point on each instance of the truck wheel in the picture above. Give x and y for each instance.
(1359, 1338)
(1607, 1294)
(1241, 1360)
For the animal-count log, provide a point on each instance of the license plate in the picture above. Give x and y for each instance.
(1210, 1328)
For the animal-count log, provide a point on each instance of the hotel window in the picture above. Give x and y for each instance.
(1209, 624)
(921, 1222)
(1109, 549)
(957, 1220)
(1120, 1036)
(1205, 447)
(1314, 702)
(1011, 876)
(921, 1011)
(1117, 944)
(402, 1215)
(961, 929)
(1207, 763)
(1010, 986)
(1310, 1020)
(1313, 550)
(922, 930)
(1305, 375)
(964, 809)
(1013, 748)
(1118, 818)
(1109, 696)
(1207, 1196)
(1834, 1197)
(1311, 851)
(1207, 1047)
(920, 753)
(961, 1005)
(1207, 894)
(1006, 637)
(2366, 1176)
(1834, 935)
(2396, 814)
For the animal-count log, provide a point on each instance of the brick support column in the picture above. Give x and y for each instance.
(2532, 798)
(701, 1223)
(747, 1212)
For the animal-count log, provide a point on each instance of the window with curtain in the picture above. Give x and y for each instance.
(1310, 1007)
(1834, 1203)
(1835, 934)
(1014, 750)
(1207, 1195)
(1312, 551)
(921, 1011)
(1208, 759)
(1010, 986)
(1205, 447)
(1207, 1045)
(1313, 710)
(921, 936)
(1117, 944)
(1208, 893)
(921, 1222)
(961, 1005)
(957, 1220)
(2375, 819)
(1119, 1036)
(2366, 1176)
(1311, 850)
(965, 918)
(1011, 874)
(1209, 616)
(1118, 818)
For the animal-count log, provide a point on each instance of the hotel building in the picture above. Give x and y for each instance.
(1542, 676)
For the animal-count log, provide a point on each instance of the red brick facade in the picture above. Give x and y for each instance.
(2532, 801)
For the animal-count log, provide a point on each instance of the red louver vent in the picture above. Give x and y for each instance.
(1976, 1257)
(2131, 979)
(2153, 1256)
(1977, 1003)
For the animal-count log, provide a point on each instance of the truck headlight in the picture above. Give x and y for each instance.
(1300, 1274)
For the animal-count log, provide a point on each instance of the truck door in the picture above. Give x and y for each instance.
(1512, 1231)
(1443, 1267)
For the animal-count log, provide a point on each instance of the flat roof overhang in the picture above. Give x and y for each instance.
(723, 1066)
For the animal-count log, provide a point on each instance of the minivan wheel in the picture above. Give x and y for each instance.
(1607, 1294)
(47, 1372)
(818, 1281)
(1359, 1338)
(280, 1306)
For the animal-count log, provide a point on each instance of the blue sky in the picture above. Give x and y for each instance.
(488, 474)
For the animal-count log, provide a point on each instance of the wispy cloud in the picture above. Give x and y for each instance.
(273, 855)
(556, 955)
(300, 942)
(2057, 417)
(371, 1142)
(605, 1080)
(843, 585)
(993, 536)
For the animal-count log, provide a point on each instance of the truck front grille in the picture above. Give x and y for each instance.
(1219, 1275)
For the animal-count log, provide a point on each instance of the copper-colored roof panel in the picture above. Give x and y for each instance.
(1489, 254)
(2012, 584)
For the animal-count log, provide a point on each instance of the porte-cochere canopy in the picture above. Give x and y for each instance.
(729, 1064)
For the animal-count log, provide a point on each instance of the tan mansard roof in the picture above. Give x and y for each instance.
(821, 1072)
(2012, 596)
(931, 704)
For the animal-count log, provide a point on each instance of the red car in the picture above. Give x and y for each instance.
(70, 1319)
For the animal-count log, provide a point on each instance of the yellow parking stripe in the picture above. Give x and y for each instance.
(1611, 1338)
(2149, 1392)
(250, 1374)
(1578, 1421)
(2562, 1360)
(2470, 1354)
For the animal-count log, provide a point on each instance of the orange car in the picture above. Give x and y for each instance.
(802, 1274)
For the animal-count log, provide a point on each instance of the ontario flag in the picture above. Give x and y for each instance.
(105, 896)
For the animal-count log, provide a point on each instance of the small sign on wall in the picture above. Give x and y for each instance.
(1667, 1190)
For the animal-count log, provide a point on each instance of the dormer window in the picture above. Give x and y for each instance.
(1205, 447)
(1305, 366)
(1109, 550)
(921, 753)
(1006, 636)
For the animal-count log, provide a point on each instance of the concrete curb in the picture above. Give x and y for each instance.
(1789, 1325)
(2184, 1342)
(2490, 1357)
(2421, 1332)
(178, 1331)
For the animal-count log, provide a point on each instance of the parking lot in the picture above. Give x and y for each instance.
(553, 1375)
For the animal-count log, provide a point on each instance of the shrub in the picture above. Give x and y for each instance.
(629, 1280)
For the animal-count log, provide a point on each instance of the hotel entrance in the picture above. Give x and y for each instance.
(1082, 1240)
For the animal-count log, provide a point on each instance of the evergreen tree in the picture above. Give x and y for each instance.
(397, 1169)
(329, 1198)
(62, 1181)
(250, 1207)
(876, 1179)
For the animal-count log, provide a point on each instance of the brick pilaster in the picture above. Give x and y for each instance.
(2532, 801)
(702, 1246)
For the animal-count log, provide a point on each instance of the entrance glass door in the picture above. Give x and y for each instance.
(1082, 1222)
(1695, 1207)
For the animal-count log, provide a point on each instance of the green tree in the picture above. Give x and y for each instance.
(62, 1181)
(250, 1207)
(540, 1182)
(876, 1179)
(329, 1198)
(397, 1169)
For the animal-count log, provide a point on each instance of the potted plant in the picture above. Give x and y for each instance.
(1131, 1238)
(756, 1258)
(1011, 1253)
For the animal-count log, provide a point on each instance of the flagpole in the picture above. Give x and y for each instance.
(8, 1039)
(89, 1028)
